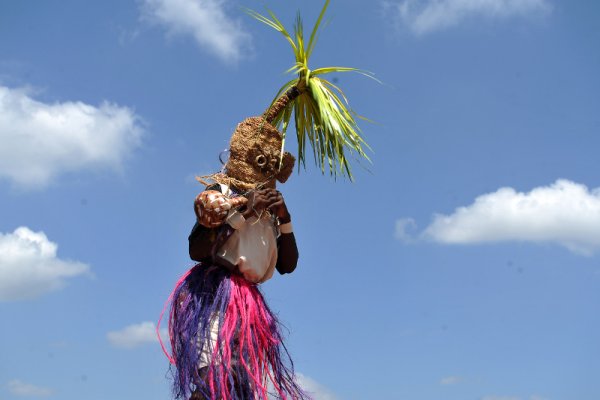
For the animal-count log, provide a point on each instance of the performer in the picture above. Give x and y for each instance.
(225, 341)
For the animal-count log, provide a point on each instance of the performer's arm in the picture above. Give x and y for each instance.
(287, 255)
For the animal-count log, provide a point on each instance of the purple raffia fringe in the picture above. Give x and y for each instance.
(249, 360)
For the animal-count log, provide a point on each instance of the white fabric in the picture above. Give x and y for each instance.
(252, 248)
(225, 190)
(210, 344)
(235, 219)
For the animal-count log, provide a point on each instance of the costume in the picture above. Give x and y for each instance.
(225, 342)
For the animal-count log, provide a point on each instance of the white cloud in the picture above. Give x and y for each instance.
(403, 225)
(566, 213)
(314, 388)
(451, 380)
(42, 140)
(136, 335)
(426, 16)
(29, 266)
(205, 20)
(22, 389)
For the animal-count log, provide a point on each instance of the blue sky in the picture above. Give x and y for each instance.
(462, 264)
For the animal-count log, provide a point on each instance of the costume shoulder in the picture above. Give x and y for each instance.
(212, 207)
(209, 231)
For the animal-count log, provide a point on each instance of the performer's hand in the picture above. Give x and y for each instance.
(278, 207)
(258, 201)
(270, 199)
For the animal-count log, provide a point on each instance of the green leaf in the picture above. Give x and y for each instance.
(321, 112)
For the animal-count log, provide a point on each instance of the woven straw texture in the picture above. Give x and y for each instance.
(255, 154)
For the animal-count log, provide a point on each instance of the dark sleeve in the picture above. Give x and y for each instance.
(287, 255)
(200, 241)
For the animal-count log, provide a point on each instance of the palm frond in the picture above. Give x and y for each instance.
(321, 111)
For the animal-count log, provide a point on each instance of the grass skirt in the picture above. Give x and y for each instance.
(226, 343)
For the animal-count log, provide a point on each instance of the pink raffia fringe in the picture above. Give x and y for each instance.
(248, 359)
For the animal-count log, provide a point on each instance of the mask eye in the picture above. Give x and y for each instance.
(261, 160)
